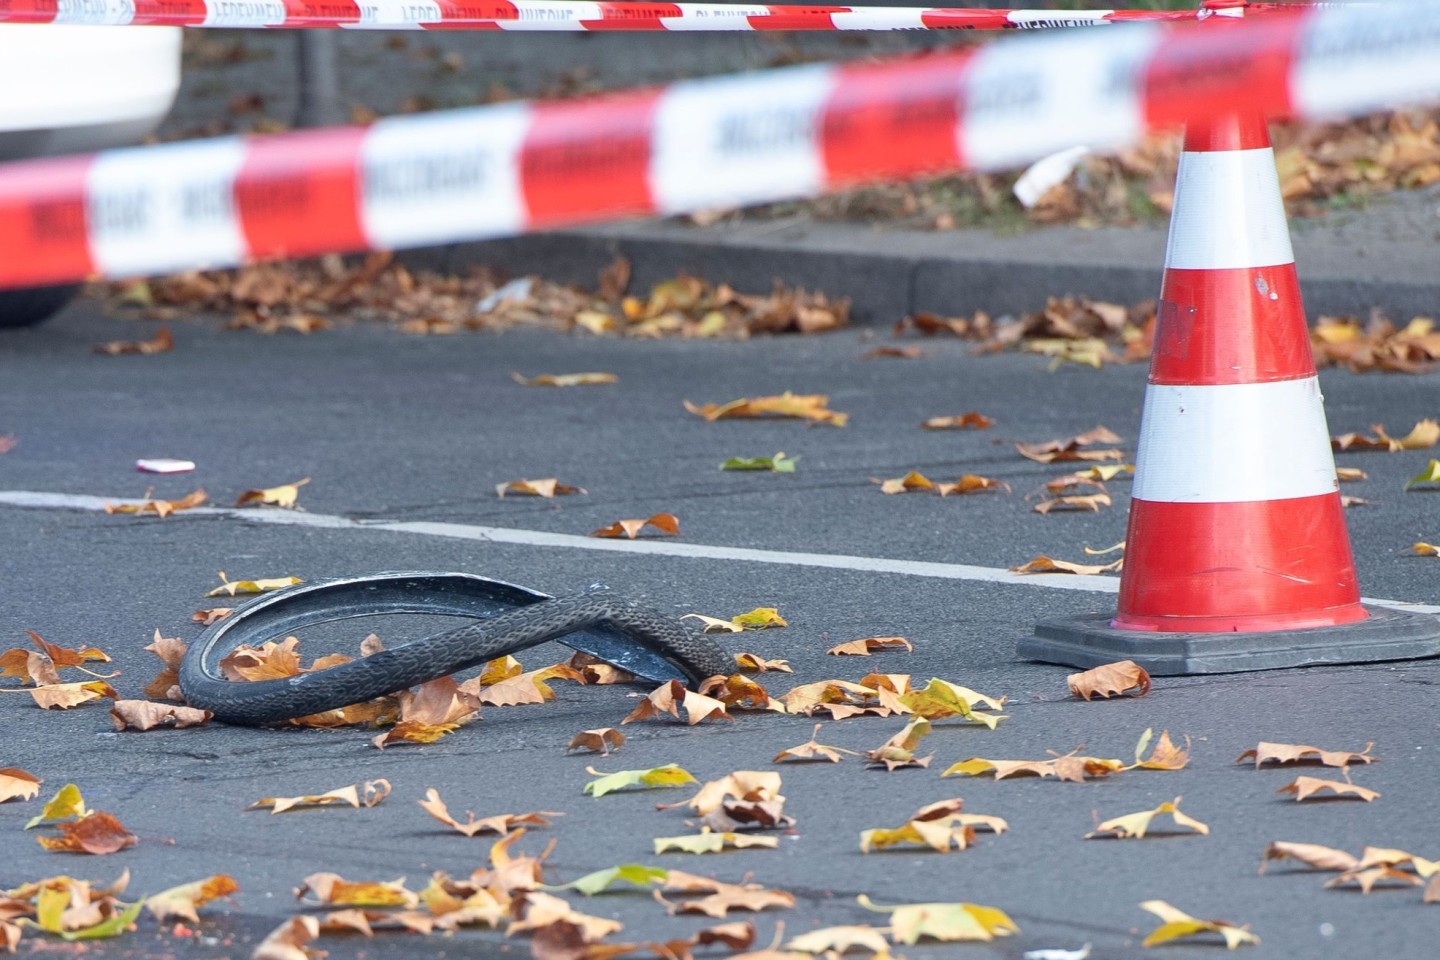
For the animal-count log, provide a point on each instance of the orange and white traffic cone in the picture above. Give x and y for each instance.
(1237, 557)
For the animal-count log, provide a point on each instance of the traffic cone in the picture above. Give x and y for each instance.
(1237, 557)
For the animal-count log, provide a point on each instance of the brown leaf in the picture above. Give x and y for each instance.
(1051, 565)
(162, 342)
(66, 656)
(527, 687)
(413, 731)
(614, 279)
(909, 483)
(971, 483)
(565, 379)
(669, 697)
(1070, 449)
(29, 666)
(1263, 753)
(211, 615)
(1092, 502)
(970, 419)
(1109, 680)
(1425, 433)
(666, 523)
(869, 645)
(548, 488)
(1310, 854)
(17, 783)
(501, 823)
(144, 715)
(1368, 877)
(740, 692)
(813, 407)
(438, 702)
(601, 740)
(98, 833)
(331, 888)
(161, 508)
(1165, 756)
(899, 353)
(813, 750)
(374, 791)
(537, 910)
(758, 664)
(727, 897)
(1305, 787)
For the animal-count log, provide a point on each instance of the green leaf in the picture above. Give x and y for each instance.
(1431, 474)
(776, 464)
(114, 926)
(636, 874)
(670, 775)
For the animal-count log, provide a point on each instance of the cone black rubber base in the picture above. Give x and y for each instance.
(1089, 640)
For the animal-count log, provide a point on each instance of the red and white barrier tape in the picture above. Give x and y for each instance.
(571, 15)
(719, 142)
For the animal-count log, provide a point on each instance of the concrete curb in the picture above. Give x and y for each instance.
(1387, 257)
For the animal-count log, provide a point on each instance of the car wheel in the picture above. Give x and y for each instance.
(31, 305)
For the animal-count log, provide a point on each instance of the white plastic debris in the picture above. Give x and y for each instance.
(517, 289)
(1045, 173)
(1080, 954)
(164, 465)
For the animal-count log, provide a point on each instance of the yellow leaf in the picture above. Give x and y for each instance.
(182, 901)
(63, 696)
(799, 406)
(757, 664)
(709, 842)
(971, 483)
(1176, 924)
(284, 495)
(230, 588)
(910, 482)
(948, 922)
(761, 618)
(670, 775)
(67, 804)
(331, 888)
(566, 379)
(899, 750)
(940, 699)
(1135, 825)
(414, 731)
(1165, 756)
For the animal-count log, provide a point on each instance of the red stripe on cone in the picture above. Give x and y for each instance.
(1243, 325)
(1221, 567)
(1249, 566)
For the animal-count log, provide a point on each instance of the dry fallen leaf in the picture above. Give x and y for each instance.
(909, 483)
(1109, 680)
(1135, 825)
(758, 664)
(63, 696)
(18, 784)
(899, 750)
(814, 407)
(1071, 449)
(937, 825)
(813, 750)
(284, 495)
(184, 900)
(1176, 924)
(332, 889)
(1070, 767)
(96, 833)
(66, 656)
(536, 910)
(289, 941)
(1306, 787)
(635, 874)
(1044, 564)
(67, 804)
(971, 483)
(741, 693)
(669, 697)
(948, 922)
(565, 379)
(1350, 474)
(144, 715)
(212, 615)
(1090, 501)
(941, 699)
(1310, 854)
(1263, 753)
(835, 941)
(1165, 756)
(602, 740)
(1425, 433)
(501, 823)
(161, 508)
(547, 488)
(230, 588)
(162, 342)
(666, 523)
(531, 687)
(869, 645)
(970, 419)
(368, 794)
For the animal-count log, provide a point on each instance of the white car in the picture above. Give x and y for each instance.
(73, 89)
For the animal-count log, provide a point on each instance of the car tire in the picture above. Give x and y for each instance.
(29, 306)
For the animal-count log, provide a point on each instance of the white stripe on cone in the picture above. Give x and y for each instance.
(1228, 212)
(1233, 443)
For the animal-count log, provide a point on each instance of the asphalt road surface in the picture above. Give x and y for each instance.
(401, 431)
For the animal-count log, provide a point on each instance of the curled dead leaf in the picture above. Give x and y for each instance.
(144, 715)
(602, 740)
(284, 495)
(1110, 680)
(667, 524)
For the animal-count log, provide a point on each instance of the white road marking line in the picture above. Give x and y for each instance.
(663, 548)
